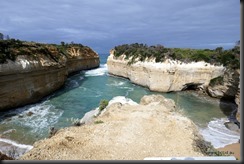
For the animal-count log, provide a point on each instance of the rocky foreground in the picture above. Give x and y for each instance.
(124, 130)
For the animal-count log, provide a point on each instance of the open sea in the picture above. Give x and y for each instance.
(21, 127)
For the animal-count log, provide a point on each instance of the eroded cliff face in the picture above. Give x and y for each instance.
(167, 76)
(28, 79)
(228, 88)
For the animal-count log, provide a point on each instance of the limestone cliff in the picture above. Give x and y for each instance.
(167, 76)
(125, 130)
(32, 76)
(227, 87)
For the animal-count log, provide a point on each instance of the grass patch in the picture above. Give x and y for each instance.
(103, 104)
(217, 81)
(98, 122)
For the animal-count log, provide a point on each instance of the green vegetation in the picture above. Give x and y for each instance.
(205, 147)
(103, 104)
(229, 58)
(11, 48)
(217, 81)
(98, 122)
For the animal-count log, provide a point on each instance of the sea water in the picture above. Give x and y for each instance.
(82, 92)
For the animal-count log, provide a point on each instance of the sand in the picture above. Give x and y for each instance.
(233, 150)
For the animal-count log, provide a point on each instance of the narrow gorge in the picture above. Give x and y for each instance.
(42, 69)
(30, 71)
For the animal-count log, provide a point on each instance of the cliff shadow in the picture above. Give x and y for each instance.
(227, 102)
(71, 83)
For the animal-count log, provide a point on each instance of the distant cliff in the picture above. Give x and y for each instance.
(29, 71)
(165, 76)
(175, 69)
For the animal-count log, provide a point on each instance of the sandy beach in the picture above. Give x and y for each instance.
(233, 150)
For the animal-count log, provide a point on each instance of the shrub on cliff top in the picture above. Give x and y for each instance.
(217, 81)
(103, 104)
(229, 58)
(10, 49)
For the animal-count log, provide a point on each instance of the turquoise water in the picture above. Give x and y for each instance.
(82, 92)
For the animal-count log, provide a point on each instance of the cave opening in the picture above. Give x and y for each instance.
(192, 86)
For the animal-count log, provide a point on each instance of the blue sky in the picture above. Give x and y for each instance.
(103, 24)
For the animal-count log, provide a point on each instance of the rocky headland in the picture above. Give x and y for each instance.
(124, 130)
(30, 71)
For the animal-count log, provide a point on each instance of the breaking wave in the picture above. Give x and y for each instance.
(218, 134)
(102, 70)
(12, 148)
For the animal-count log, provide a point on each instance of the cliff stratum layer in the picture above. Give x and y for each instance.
(29, 71)
(125, 130)
(167, 76)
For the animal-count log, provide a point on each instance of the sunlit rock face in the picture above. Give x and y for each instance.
(165, 76)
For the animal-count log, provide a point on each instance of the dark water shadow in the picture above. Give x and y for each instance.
(72, 82)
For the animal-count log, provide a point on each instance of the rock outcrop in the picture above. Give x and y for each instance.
(5, 157)
(165, 76)
(227, 87)
(238, 103)
(125, 130)
(30, 78)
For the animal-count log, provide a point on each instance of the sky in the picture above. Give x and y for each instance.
(103, 24)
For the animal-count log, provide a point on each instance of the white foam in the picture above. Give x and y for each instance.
(13, 149)
(22, 146)
(129, 89)
(90, 92)
(97, 72)
(42, 116)
(116, 83)
(218, 134)
(72, 83)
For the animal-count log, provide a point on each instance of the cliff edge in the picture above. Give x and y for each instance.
(29, 71)
(125, 130)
